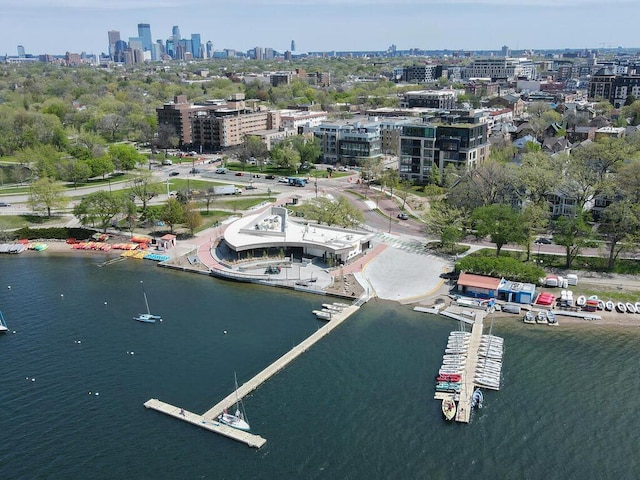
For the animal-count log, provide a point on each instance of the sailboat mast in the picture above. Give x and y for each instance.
(145, 297)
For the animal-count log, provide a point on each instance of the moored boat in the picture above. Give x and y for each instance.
(637, 305)
(581, 301)
(529, 317)
(609, 306)
(621, 307)
(477, 398)
(541, 316)
(3, 324)
(601, 305)
(551, 318)
(631, 308)
(448, 408)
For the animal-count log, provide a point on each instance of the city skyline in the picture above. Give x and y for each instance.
(58, 26)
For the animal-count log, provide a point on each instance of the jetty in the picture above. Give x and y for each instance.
(468, 384)
(209, 419)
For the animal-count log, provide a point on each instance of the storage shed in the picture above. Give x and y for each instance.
(166, 242)
(478, 286)
(516, 292)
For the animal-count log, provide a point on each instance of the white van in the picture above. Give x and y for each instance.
(221, 170)
(167, 162)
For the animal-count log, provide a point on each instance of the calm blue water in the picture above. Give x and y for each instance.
(356, 406)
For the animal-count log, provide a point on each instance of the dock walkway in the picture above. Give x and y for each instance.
(463, 413)
(208, 419)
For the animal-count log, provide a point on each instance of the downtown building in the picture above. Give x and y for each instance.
(605, 85)
(349, 144)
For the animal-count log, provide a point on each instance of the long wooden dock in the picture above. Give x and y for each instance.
(255, 441)
(208, 419)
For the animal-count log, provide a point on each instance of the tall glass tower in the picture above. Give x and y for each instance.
(196, 45)
(144, 33)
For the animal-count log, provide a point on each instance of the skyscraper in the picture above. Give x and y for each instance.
(114, 37)
(293, 45)
(209, 49)
(144, 33)
(20, 51)
(196, 45)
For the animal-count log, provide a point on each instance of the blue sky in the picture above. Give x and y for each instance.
(57, 26)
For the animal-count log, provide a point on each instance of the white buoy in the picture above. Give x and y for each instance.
(225, 332)
(79, 341)
(105, 303)
(13, 332)
(33, 379)
(97, 393)
(132, 353)
(9, 287)
(127, 352)
(89, 393)
(62, 294)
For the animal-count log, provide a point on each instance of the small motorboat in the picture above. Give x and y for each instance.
(609, 306)
(601, 305)
(477, 398)
(541, 316)
(631, 308)
(529, 317)
(581, 301)
(551, 318)
(448, 408)
(637, 305)
(621, 307)
(449, 377)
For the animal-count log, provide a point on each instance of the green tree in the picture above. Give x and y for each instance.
(501, 222)
(101, 166)
(192, 218)
(620, 225)
(445, 222)
(45, 195)
(172, 213)
(332, 212)
(99, 208)
(144, 188)
(76, 171)
(123, 156)
(573, 234)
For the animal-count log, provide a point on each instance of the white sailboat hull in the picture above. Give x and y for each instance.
(234, 421)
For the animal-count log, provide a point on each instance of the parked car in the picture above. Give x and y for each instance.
(283, 180)
(238, 174)
(270, 177)
(544, 241)
(5, 204)
(194, 171)
(403, 216)
(173, 174)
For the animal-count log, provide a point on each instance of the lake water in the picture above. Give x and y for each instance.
(358, 405)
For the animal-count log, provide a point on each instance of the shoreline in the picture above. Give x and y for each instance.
(609, 319)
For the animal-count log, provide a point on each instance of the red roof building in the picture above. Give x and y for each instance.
(478, 285)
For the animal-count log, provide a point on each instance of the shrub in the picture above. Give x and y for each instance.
(506, 267)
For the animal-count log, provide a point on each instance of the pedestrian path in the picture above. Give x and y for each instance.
(407, 245)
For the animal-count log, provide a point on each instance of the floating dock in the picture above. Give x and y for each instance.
(468, 383)
(209, 418)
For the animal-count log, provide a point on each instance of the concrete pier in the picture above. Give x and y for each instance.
(208, 419)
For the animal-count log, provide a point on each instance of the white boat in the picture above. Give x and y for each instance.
(146, 317)
(3, 324)
(237, 420)
(601, 305)
(477, 398)
(541, 316)
(581, 301)
(637, 305)
(621, 307)
(631, 308)
(609, 306)
(551, 318)
(529, 317)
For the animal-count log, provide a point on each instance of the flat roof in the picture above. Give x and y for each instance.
(274, 228)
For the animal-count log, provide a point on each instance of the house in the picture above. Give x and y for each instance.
(556, 145)
(479, 286)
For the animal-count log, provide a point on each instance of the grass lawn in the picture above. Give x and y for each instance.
(11, 222)
(244, 203)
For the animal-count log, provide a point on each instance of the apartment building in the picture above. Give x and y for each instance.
(442, 99)
(424, 147)
(349, 144)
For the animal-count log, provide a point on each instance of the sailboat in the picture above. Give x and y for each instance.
(146, 317)
(3, 324)
(448, 408)
(237, 420)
